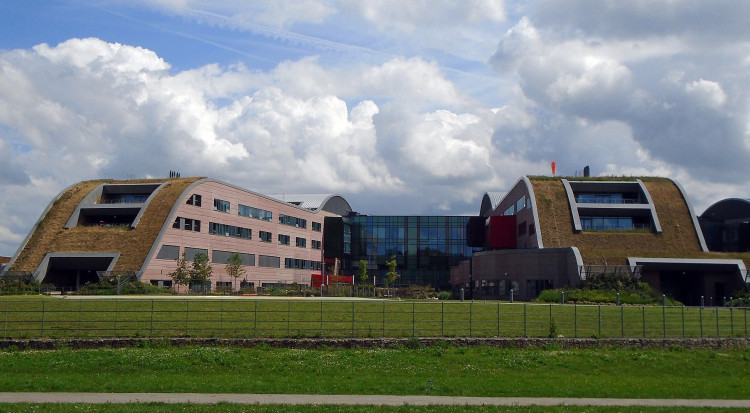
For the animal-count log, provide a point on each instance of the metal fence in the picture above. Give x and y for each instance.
(88, 318)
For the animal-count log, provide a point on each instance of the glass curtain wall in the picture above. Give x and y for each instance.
(425, 247)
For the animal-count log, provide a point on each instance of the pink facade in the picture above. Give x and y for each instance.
(272, 261)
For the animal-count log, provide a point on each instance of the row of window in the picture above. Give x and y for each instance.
(172, 252)
(229, 230)
(590, 223)
(215, 228)
(293, 221)
(257, 213)
(302, 264)
(187, 224)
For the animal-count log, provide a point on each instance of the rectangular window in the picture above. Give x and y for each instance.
(187, 224)
(257, 213)
(317, 226)
(269, 261)
(194, 199)
(284, 239)
(520, 204)
(510, 211)
(316, 245)
(301, 242)
(293, 221)
(221, 206)
(222, 257)
(229, 230)
(265, 236)
(168, 252)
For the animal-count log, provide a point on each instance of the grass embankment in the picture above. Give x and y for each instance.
(244, 318)
(441, 370)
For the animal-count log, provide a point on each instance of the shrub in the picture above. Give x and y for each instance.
(444, 295)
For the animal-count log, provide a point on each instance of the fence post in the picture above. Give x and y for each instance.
(288, 318)
(352, 319)
(383, 318)
(221, 317)
(664, 315)
(44, 303)
(525, 329)
(731, 317)
(413, 318)
(80, 315)
(683, 321)
(575, 320)
(622, 320)
(187, 316)
(498, 319)
(700, 316)
(151, 334)
(643, 310)
(255, 318)
(442, 318)
(600, 320)
(5, 324)
(117, 314)
(321, 317)
(717, 321)
(471, 316)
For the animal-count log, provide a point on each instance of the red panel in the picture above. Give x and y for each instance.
(316, 279)
(501, 231)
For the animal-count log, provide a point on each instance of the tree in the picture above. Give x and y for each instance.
(201, 270)
(362, 272)
(181, 274)
(391, 275)
(234, 266)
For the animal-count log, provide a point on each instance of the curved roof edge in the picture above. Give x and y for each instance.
(333, 203)
(36, 225)
(723, 202)
(490, 201)
(535, 211)
(693, 216)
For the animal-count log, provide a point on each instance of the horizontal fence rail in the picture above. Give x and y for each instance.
(89, 318)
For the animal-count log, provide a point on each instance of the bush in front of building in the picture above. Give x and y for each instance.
(601, 288)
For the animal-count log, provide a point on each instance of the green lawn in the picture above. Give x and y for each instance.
(440, 370)
(65, 318)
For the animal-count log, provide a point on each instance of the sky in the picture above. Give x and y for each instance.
(403, 107)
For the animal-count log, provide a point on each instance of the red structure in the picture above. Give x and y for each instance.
(500, 231)
(316, 280)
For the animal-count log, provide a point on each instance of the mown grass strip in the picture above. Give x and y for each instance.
(440, 370)
(231, 408)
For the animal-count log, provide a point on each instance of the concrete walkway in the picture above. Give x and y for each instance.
(198, 398)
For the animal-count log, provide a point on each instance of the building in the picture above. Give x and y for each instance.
(549, 232)
(140, 227)
(425, 247)
(726, 225)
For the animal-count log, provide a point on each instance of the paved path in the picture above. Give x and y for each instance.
(199, 398)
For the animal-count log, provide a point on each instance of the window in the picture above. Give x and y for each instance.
(222, 257)
(520, 204)
(269, 261)
(168, 252)
(257, 213)
(194, 199)
(316, 245)
(591, 223)
(265, 236)
(301, 264)
(221, 206)
(317, 226)
(187, 224)
(284, 239)
(230, 230)
(301, 242)
(293, 221)
(510, 211)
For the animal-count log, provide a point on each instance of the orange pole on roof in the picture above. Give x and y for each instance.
(554, 166)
